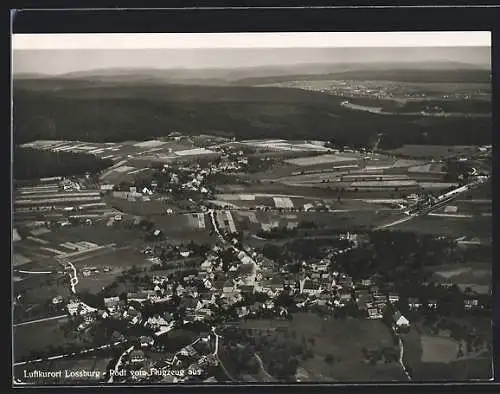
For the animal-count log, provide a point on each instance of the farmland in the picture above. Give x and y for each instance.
(433, 151)
(321, 336)
(38, 337)
(435, 358)
(472, 227)
(477, 276)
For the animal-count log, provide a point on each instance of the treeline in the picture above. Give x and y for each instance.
(139, 116)
(388, 74)
(32, 163)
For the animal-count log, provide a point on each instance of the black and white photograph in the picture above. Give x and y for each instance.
(259, 208)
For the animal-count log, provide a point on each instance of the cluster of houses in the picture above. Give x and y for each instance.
(69, 185)
(196, 357)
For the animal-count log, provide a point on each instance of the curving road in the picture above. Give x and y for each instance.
(56, 357)
(40, 320)
(261, 364)
(401, 362)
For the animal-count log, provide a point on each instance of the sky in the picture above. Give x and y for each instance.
(63, 53)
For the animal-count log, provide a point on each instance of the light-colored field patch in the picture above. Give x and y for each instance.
(283, 202)
(247, 197)
(401, 183)
(436, 185)
(149, 144)
(438, 349)
(322, 159)
(224, 204)
(194, 152)
(454, 272)
(38, 240)
(422, 168)
(19, 259)
(480, 289)
(15, 235)
(250, 215)
(123, 169)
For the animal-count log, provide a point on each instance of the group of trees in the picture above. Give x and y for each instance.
(140, 113)
(398, 257)
(31, 163)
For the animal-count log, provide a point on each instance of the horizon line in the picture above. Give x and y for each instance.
(428, 39)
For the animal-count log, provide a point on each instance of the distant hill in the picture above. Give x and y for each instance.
(442, 71)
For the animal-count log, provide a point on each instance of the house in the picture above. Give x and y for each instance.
(206, 266)
(203, 313)
(400, 322)
(112, 303)
(133, 316)
(374, 313)
(137, 356)
(207, 298)
(75, 308)
(414, 303)
(156, 322)
(345, 295)
(146, 341)
(393, 298)
(471, 303)
(432, 304)
(345, 281)
(311, 288)
(228, 287)
(363, 299)
(190, 303)
(242, 311)
(248, 289)
(269, 304)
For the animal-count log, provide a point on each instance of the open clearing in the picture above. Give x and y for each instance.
(454, 227)
(433, 151)
(344, 340)
(451, 370)
(477, 276)
(438, 349)
(323, 159)
(37, 337)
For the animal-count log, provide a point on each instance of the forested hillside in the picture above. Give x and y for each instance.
(31, 163)
(137, 112)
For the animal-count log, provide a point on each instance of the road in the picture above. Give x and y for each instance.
(119, 362)
(401, 354)
(40, 320)
(216, 354)
(84, 351)
(214, 224)
(431, 208)
(261, 364)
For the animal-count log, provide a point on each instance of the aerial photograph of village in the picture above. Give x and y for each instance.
(251, 208)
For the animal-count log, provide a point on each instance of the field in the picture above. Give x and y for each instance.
(433, 151)
(438, 349)
(39, 336)
(98, 233)
(477, 276)
(117, 260)
(428, 364)
(153, 207)
(344, 340)
(480, 227)
(324, 159)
